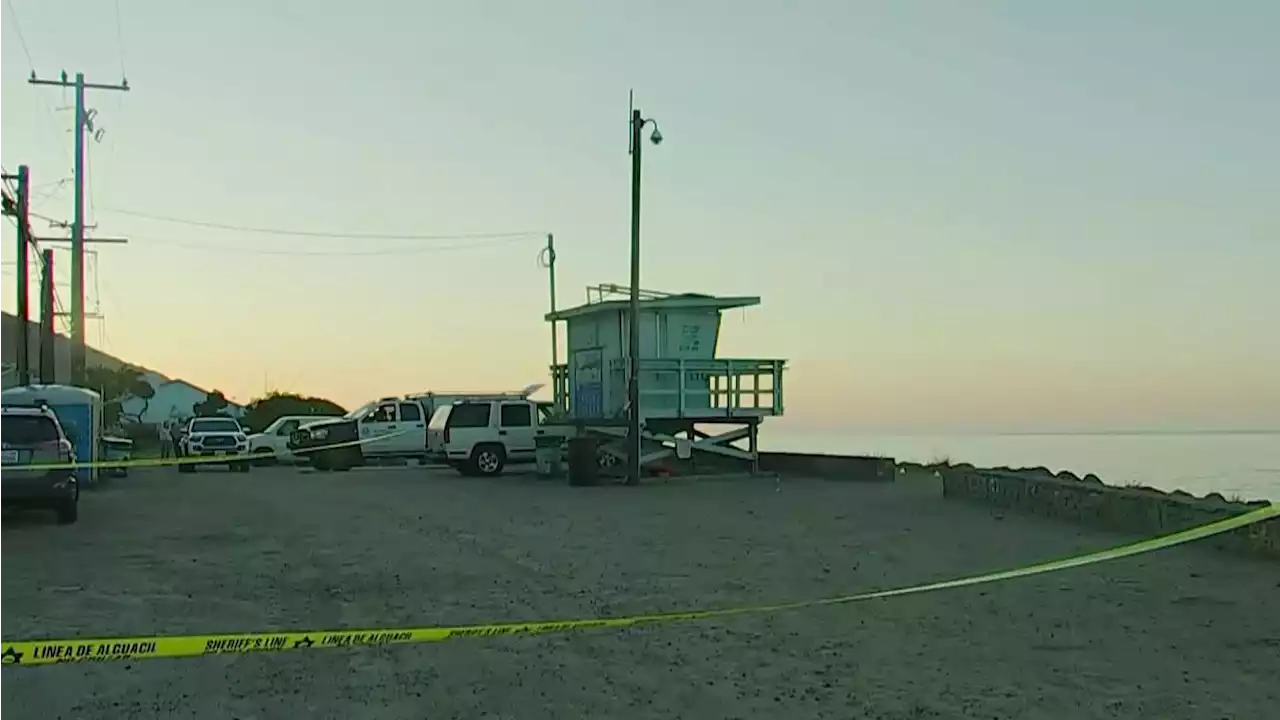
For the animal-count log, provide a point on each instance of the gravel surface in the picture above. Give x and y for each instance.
(1183, 633)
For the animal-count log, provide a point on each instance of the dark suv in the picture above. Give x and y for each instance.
(32, 437)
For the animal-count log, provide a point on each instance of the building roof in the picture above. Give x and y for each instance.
(671, 302)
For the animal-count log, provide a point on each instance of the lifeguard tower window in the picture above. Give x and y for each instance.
(469, 415)
(516, 415)
(29, 429)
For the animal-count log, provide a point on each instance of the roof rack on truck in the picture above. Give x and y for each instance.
(520, 394)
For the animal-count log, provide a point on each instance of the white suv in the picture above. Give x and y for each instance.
(481, 437)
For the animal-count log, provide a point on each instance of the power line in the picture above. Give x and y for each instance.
(119, 40)
(31, 66)
(422, 250)
(88, 173)
(50, 191)
(317, 233)
(38, 261)
(17, 28)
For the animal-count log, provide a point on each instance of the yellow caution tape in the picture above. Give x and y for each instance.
(212, 460)
(43, 652)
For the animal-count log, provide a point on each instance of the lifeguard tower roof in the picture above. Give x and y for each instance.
(660, 302)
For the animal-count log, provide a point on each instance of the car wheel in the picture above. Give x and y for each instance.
(605, 460)
(264, 456)
(244, 467)
(488, 460)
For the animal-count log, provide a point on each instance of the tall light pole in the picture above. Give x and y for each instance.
(633, 386)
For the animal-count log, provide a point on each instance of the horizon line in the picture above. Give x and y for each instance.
(935, 432)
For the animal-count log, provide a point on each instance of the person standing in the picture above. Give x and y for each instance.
(175, 435)
(166, 440)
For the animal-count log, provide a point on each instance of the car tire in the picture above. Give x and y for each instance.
(487, 460)
(264, 457)
(68, 511)
(243, 467)
(606, 460)
(320, 462)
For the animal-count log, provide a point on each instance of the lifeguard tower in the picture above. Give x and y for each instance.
(690, 400)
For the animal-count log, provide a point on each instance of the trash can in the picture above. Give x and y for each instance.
(584, 465)
(547, 456)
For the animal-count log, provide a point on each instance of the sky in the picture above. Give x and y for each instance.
(1021, 215)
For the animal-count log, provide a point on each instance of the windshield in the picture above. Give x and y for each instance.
(360, 411)
(215, 425)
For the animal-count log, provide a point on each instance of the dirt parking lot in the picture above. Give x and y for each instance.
(1183, 633)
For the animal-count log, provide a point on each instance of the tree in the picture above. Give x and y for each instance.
(214, 403)
(264, 411)
(117, 387)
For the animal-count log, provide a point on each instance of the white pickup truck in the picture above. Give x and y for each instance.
(272, 444)
(219, 438)
(481, 437)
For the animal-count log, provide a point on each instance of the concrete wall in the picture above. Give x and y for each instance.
(1140, 511)
(830, 467)
(834, 467)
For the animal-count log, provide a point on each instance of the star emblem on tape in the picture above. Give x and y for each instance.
(11, 656)
(305, 642)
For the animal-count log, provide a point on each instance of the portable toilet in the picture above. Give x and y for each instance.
(79, 411)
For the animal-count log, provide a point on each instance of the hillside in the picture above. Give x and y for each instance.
(62, 352)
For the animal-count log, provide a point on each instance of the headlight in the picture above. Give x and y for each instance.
(319, 433)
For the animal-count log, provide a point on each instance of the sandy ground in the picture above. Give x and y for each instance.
(1184, 633)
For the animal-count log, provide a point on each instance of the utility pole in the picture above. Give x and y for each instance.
(47, 373)
(21, 214)
(634, 443)
(551, 272)
(77, 226)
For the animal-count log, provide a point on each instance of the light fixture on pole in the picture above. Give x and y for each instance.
(638, 122)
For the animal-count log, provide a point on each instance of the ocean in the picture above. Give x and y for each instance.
(1243, 465)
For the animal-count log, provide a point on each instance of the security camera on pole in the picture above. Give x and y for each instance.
(638, 122)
